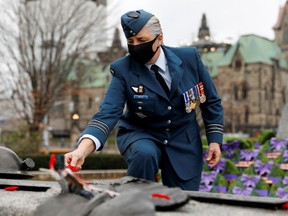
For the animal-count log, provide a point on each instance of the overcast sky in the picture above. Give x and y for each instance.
(180, 19)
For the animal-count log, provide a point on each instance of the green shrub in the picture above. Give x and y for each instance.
(92, 162)
(265, 147)
(262, 157)
(104, 161)
(220, 180)
(21, 141)
(245, 143)
(41, 160)
(277, 172)
(205, 144)
(262, 185)
(265, 135)
(249, 170)
(230, 168)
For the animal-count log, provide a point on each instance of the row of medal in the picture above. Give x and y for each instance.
(194, 97)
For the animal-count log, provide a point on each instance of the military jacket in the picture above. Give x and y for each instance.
(136, 102)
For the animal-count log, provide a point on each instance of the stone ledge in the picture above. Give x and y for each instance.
(24, 203)
(85, 174)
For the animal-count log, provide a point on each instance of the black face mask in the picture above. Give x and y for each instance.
(142, 53)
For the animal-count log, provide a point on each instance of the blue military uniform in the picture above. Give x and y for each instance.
(149, 113)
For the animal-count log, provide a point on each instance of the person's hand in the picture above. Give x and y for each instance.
(77, 157)
(214, 154)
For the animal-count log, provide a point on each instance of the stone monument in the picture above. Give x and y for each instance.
(282, 131)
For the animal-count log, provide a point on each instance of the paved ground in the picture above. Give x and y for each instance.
(24, 203)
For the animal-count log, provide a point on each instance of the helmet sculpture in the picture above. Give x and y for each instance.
(12, 167)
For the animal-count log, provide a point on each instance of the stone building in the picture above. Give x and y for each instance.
(251, 76)
(281, 36)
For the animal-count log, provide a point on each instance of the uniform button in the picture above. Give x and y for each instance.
(165, 141)
(167, 129)
(169, 107)
(169, 121)
(139, 108)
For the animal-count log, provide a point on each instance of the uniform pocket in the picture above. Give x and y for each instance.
(193, 133)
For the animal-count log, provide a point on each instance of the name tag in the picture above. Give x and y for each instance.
(141, 97)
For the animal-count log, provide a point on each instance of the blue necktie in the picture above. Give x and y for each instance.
(160, 79)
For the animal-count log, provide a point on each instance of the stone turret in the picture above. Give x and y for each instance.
(204, 42)
(204, 32)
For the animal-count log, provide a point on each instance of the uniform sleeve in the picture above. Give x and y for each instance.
(212, 109)
(111, 109)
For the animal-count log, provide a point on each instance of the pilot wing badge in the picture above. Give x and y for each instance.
(138, 89)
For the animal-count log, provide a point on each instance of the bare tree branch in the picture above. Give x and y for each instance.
(41, 48)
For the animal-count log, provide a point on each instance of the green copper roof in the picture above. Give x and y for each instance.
(211, 60)
(255, 49)
(93, 74)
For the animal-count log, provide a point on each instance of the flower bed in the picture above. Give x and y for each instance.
(250, 169)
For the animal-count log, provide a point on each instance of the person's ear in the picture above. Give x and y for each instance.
(160, 38)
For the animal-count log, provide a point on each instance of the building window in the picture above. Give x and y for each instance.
(90, 101)
(238, 64)
(235, 91)
(244, 90)
(247, 115)
(283, 95)
(80, 69)
(285, 34)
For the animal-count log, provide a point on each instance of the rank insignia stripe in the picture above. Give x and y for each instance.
(140, 115)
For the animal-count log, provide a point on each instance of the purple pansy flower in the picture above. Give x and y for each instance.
(281, 193)
(262, 193)
(248, 155)
(278, 145)
(285, 180)
(205, 153)
(220, 189)
(220, 166)
(249, 181)
(274, 179)
(230, 176)
(257, 145)
(208, 178)
(285, 155)
(262, 168)
(242, 191)
(229, 148)
(205, 188)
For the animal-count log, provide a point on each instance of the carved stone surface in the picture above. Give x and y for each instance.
(24, 203)
(282, 131)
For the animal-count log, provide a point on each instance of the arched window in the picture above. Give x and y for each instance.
(244, 90)
(235, 91)
(90, 101)
(238, 64)
(247, 115)
(285, 34)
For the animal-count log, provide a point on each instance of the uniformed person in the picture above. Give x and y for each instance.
(158, 127)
